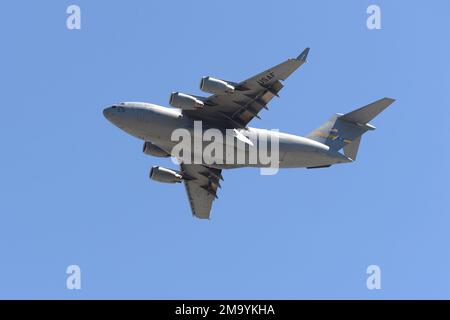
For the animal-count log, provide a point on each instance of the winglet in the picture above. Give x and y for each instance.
(303, 55)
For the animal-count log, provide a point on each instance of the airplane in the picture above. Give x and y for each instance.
(230, 107)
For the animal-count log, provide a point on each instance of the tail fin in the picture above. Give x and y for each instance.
(345, 131)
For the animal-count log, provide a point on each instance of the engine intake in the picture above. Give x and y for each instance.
(153, 150)
(185, 101)
(215, 86)
(165, 175)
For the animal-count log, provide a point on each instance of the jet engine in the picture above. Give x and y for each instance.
(185, 101)
(165, 175)
(153, 150)
(215, 86)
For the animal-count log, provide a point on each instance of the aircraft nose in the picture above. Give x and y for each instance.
(107, 112)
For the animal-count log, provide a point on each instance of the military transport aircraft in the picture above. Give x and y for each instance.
(230, 107)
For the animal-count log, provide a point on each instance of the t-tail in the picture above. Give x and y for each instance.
(345, 131)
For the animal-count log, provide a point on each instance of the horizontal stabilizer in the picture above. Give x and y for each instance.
(345, 131)
(365, 114)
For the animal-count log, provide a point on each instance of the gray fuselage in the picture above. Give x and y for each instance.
(156, 124)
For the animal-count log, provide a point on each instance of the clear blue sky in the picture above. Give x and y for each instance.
(75, 190)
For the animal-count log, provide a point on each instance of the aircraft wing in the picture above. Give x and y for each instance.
(201, 187)
(237, 109)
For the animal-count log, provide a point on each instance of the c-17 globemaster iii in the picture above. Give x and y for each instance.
(228, 110)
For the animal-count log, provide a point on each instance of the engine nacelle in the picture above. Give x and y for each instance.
(185, 101)
(153, 150)
(165, 175)
(215, 86)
